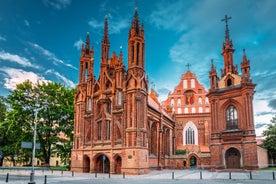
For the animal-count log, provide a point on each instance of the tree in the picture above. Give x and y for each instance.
(55, 114)
(270, 139)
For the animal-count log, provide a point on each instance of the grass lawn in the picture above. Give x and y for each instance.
(269, 168)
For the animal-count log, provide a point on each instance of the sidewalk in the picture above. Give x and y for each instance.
(164, 176)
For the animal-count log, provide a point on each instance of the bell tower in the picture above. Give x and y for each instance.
(136, 147)
(233, 139)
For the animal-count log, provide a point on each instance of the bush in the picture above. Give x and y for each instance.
(180, 152)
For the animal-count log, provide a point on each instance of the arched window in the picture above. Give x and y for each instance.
(193, 83)
(193, 110)
(229, 82)
(190, 134)
(179, 110)
(231, 118)
(200, 100)
(119, 98)
(172, 102)
(178, 102)
(99, 130)
(185, 84)
(200, 109)
(206, 100)
(186, 110)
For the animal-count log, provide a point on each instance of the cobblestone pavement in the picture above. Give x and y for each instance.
(160, 177)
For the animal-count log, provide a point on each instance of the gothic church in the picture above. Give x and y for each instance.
(121, 127)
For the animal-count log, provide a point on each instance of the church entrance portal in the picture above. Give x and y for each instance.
(232, 157)
(118, 165)
(102, 164)
(193, 162)
(86, 164)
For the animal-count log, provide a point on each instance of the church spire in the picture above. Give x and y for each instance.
(245, 68)
(105, 43)
(227, 51)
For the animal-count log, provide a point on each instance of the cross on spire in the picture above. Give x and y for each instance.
(188, 65)
(226, 18)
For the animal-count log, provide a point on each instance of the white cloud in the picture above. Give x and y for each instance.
(17, 59)
(78, 44)
(17, 76)
(2, 38)
(67, 82)
(51, 56)
(26, 22)
(57, 4)
(116, 24)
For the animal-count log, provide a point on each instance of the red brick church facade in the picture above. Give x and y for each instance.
(120, 126)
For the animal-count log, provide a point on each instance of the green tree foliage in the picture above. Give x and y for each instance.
(270, 139)
(55, 115)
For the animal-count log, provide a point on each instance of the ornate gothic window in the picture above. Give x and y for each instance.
(99, 130)
(107, 130)
(231, 118)
(190, 134)
(89, 104)
(119, 98)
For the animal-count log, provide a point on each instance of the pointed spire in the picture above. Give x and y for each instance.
(244, 56)
(135, 28)
(105, 36)
(87, 42)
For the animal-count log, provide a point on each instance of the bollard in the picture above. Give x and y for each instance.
(7, 178)
(43, 170)
(45, 179)
(273, 175)
(124, 175)
(173, 175)
(250, 175)
(201, 175)
(52, 171)
(72, 173)
(230, 176)
(109, 175)
(95, 174)
(61, 172)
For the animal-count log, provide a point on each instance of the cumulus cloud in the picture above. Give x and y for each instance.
(17, 59)
(78, 44)
(16, 76)
(51, 56)
(116, 24)
(2, 38)
(57, 4)
(67, 81)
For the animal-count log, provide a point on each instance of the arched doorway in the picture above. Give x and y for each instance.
(233, 158)
(102, 164)
(118, 165)
(193, 162)
(86, 164)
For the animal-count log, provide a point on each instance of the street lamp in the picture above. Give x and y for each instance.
(36, 110)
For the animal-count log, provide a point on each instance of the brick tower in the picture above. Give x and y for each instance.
(136, 148)
(233, 143)
(110, 127)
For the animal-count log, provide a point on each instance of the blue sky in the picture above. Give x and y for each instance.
(41, 40)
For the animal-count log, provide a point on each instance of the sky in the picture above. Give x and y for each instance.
(41, 40)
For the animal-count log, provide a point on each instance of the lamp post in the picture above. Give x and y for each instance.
(36, 110)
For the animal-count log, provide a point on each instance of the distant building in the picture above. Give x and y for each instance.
(120, 126)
